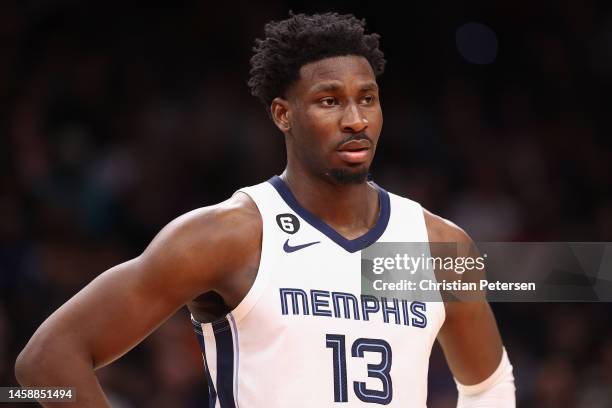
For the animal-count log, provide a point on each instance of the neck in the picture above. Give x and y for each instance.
(350, 209)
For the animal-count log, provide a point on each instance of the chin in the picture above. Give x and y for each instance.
(349, 176)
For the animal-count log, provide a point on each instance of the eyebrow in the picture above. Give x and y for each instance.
(369, 86)
(332, 87)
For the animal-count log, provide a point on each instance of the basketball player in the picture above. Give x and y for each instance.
(272, 275)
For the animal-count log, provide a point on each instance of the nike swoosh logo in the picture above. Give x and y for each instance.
(288, 248)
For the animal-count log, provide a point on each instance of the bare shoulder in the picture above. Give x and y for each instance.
(232, 218)
(217, 239)
(442, 230)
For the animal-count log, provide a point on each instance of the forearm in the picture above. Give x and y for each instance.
(58, 366)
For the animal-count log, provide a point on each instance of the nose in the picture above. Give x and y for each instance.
(353, 120)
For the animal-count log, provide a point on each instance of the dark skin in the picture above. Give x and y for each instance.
(208, 258)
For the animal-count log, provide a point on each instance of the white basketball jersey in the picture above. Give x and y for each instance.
(304, 336)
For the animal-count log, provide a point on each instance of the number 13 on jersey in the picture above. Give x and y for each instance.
(380, 371)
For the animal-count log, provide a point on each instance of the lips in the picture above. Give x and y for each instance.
(355, 151)
(354, 145)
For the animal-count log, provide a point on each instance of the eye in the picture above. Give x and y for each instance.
(369, 99)
(328, 101)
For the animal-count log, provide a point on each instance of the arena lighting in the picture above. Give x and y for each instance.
(477, 43)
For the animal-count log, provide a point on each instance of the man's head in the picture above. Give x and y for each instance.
(317, 74)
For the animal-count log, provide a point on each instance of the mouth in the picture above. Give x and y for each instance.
(355, 151)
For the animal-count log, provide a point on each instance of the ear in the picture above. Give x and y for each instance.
(281, 114)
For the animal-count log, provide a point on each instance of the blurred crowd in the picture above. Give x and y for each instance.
(118, 119)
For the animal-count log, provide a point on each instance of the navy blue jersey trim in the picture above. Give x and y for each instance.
(210, 391)
(350, 245)
(225, 363)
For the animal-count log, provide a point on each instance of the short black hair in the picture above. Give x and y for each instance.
(289, 44)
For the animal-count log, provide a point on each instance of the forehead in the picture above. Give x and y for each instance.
(354, 69)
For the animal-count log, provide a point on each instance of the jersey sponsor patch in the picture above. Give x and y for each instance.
(288, 223)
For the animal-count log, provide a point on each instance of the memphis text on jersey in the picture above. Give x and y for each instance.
(341, 305)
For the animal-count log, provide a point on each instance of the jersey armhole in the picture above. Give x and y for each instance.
(439, 304)
(262, 276)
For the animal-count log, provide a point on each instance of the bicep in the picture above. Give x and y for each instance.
(114, 312)
(124, 304)
(470, 341)
(469, 336)
(191, 255)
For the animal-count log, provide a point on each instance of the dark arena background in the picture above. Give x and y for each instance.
(117, 118)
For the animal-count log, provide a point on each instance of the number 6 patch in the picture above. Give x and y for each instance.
(288, 223)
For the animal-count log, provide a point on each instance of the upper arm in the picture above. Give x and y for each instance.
(469, 336)
(123, 305)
